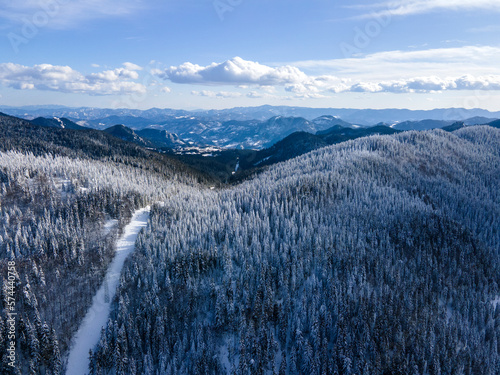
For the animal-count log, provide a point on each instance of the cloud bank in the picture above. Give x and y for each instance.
(235, 72)
(429, 84)
(220, 94)
(355, 74)
(399, 72)
(65, 79)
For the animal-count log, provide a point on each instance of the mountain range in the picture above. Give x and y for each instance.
(231, 150)
(243, 128)
(143, 118)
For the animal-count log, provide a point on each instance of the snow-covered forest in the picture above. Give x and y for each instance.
(379, 255)
(375, 256)
(54, 204)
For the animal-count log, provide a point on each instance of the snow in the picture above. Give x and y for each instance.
(110, 224)
(262, 161)
(60, 183)
(496, 302)
(89, 332)
(60, 121)
(237, 167)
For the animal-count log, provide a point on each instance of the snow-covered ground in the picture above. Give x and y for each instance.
(109, 225)
(496, 302)
(89, 332)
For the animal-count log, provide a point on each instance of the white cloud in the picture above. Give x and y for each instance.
(424, 71)
(220, 94)
(261, 95)
(428, 84)
(131, 66)
(61, 14)
(113, 75)
(255, 95)
(244, 74)
(269, 89)
(388, 65)
(65, 79)
(302, 89)
(410, 7)
(234, 72)
(364, 87)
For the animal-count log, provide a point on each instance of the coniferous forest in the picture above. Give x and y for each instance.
(379, 255)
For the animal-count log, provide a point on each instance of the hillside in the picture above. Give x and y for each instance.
(376, 255)
(55, 122)
(126, 134)
(495, 123)
(23, 136)
(64, 197)
(427, 124)
(162, 138)
(299, 143)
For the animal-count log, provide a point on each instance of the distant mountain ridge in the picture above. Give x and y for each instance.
(427, 124)
(455, 126)
(162, 138)
(224, 163)
(126, 134)
(355, 116)
(195, 131)
(151, 138)
(247, 134)
(248, 127)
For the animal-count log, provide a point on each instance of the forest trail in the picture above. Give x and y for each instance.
(97, 316)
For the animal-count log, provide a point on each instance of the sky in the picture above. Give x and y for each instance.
(194, 54)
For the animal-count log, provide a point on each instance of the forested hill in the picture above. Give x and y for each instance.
(23, 136)
(64, 197)
(374, 256)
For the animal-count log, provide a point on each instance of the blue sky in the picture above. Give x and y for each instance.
(417, 54)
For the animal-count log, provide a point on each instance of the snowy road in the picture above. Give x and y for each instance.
(97, 316)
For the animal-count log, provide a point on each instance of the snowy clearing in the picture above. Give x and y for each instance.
(109, 225)
(90, 330)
